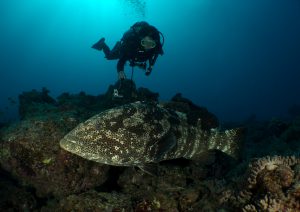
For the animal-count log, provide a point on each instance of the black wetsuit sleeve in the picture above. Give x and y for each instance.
(152, 61)
(121, 64)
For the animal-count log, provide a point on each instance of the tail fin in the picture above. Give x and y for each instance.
(228, 141)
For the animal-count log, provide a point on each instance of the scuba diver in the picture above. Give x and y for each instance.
(139, 45)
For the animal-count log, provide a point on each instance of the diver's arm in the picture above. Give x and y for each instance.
(121, 64)
(120, 67)
(152, 61)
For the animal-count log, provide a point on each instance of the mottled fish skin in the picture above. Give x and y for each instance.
(139, 133)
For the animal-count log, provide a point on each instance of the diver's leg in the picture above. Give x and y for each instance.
(106, 51)
(115, 52)
(101, 45)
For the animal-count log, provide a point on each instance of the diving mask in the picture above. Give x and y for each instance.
(148, 43)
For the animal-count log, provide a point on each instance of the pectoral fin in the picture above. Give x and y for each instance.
(164, 146)
(150, 168)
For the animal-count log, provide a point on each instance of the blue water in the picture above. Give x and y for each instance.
(234, 57)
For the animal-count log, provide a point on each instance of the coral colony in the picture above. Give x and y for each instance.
(37, 174)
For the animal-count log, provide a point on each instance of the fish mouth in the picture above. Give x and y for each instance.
(70, 145)
(76, 147)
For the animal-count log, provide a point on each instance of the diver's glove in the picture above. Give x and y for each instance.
(148, 71)
(121, 75)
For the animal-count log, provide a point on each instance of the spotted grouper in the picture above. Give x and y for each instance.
(140, 133)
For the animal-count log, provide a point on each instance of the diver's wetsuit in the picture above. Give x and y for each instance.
(130, 48)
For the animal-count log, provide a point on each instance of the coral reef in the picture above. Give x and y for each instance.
(194, 112)
(129, 92)
(274, 137)
(35, 102)
(39, 103)
(270, 184)
(94, 201)
(30, 149)
(15, 197)
(30, 152)
(36, 175)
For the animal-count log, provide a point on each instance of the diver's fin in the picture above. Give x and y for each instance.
(150, 168)
(99, 45)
